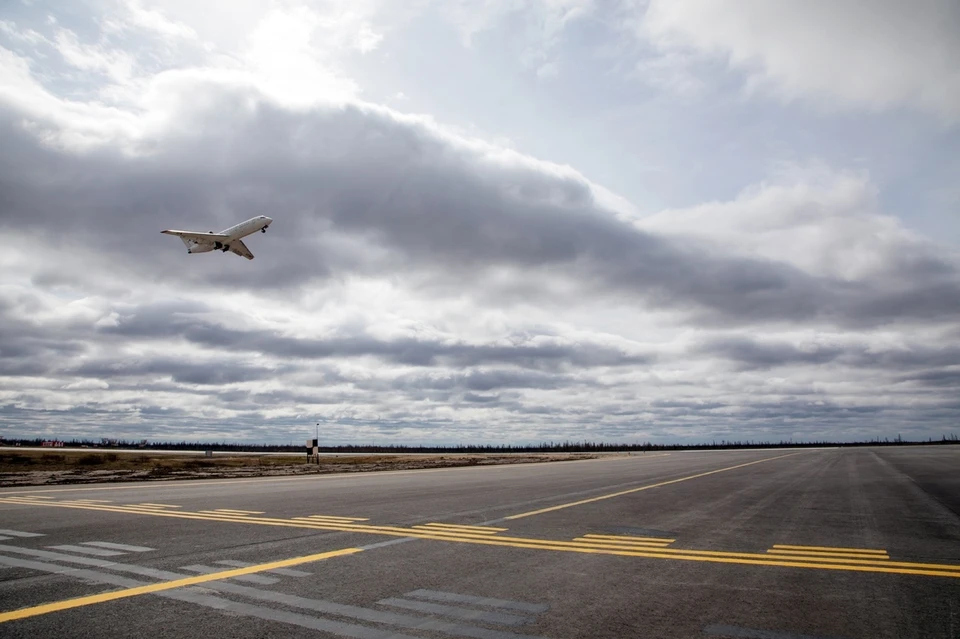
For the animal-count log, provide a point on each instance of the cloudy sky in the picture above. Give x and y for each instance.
(495, 221)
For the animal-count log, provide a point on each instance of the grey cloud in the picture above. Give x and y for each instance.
(211, 373)
(355, 192)
(939, 378)
(752, 354)
(166, 322)
(483, 381)
(433, 207)
(476, 398)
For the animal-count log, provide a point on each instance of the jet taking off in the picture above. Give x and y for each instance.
(226, 240)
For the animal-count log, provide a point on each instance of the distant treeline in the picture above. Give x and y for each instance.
(545, 447)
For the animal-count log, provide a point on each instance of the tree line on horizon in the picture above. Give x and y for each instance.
(544, 447)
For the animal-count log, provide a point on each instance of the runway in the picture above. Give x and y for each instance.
(773, 544)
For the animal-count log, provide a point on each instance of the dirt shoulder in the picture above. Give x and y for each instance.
(35, 468)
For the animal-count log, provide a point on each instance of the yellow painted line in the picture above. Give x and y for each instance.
(830, 548)
(330, 521)
(93, 501)
(453, 531)
(67, 604)
(483, 529)
(143, 504)
(337, 518)
(839, 555)
(648, 487)
(629, 538)
(873, 565)
(622, 542)
(238, 512)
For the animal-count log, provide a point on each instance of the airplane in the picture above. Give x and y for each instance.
(225, 240)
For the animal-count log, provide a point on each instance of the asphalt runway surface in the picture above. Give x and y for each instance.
(773, 544)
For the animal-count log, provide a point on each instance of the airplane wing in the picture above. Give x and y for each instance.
(238, 247)
(197, 236)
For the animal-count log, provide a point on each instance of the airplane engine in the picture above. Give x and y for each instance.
(197, 247)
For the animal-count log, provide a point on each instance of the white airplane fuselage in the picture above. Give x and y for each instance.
(229, 239)
(235, 232)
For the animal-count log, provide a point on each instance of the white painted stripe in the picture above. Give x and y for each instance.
(254, 579)
(457, 612)
(107, 544)
(286, 572)
(17, 533)
(331, 626)
(88, 551)
(318, 606)
(437, 595)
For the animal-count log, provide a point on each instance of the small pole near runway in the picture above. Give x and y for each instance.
(313, 447)
(312, 451)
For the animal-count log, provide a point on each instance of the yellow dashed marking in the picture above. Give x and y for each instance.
(835, 555)
(611, 543)
(483, 530)
(237, 512)
(830, 549)
(875, 563)
(631, 538)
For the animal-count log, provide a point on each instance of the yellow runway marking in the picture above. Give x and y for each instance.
(630, 538)
(836, 555)
(830, 549)
(612, 543)
(238, 512)
(876, 563)
(483, 530)
(67, 604)
(647, 487)
(143, 504)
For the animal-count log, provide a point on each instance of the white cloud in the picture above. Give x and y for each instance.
(860, 54)
(115, 64)
(827, 223)
(134, 15)
(22, 35)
